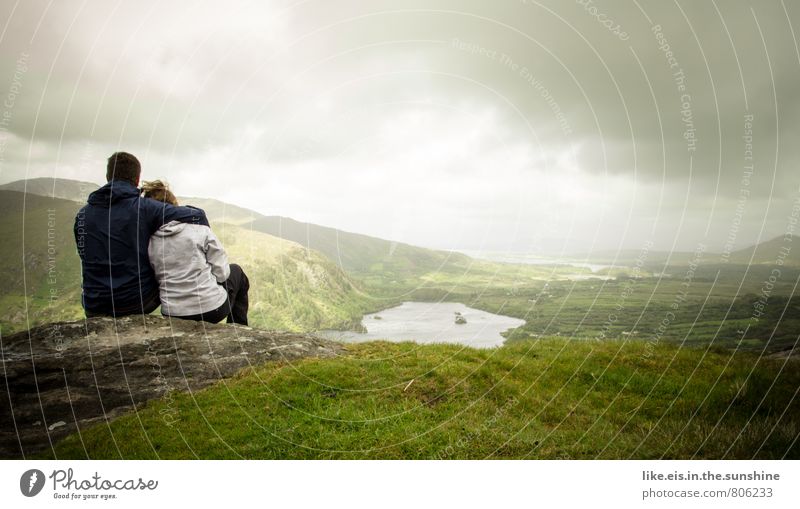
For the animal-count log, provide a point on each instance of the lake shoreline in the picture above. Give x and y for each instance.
(432, 323)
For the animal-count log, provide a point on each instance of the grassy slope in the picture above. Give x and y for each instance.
(768, 252)
(220, 211)
(292, 288)
(26, 266)
(546, 399)
(361, 255)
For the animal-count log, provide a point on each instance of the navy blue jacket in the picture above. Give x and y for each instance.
(112, 233)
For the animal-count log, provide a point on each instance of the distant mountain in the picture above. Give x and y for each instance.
(376, 261)
(768, 252)
(220, 211)
(66, 189)
(78, 191)
(361, 254)
(765, 253)
(292, 288)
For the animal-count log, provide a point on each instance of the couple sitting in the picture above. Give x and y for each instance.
(141, 252)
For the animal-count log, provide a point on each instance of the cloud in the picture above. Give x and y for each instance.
(524, 125)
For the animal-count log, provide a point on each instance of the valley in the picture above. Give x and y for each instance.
(670, 357)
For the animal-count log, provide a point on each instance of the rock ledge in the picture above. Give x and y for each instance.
(64, 376)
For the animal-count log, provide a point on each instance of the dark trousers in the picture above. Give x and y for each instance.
(145, 306)
(235, 307)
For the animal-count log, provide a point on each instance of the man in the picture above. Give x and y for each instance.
(112, 232)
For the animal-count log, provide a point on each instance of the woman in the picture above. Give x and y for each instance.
(194, 277)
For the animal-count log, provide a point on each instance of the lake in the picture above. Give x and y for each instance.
(432, 322)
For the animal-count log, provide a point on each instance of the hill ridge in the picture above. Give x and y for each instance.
(355, 252)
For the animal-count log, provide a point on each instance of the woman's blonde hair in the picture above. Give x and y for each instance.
(158, 190)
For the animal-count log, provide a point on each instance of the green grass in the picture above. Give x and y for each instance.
(292, 288)
(550, 398)
(41, 276)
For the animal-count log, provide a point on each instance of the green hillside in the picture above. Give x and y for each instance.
(378, 263)
(292, 288)
(766, 253)
(38, 260)
(219, 211)
(362, 255)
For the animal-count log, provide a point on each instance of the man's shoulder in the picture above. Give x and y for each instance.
(192, 207)
(82, 212)
(166, 212)
(149, 202)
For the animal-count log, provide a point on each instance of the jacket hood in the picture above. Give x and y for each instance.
(113, 192)
(171, 228)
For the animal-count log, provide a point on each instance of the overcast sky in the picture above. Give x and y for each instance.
(498, 125)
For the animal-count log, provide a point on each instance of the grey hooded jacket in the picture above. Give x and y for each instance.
(189, 263)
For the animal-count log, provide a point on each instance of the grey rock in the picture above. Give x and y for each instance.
(70, 375)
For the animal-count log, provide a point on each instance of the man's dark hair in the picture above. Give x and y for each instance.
(123, 166)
